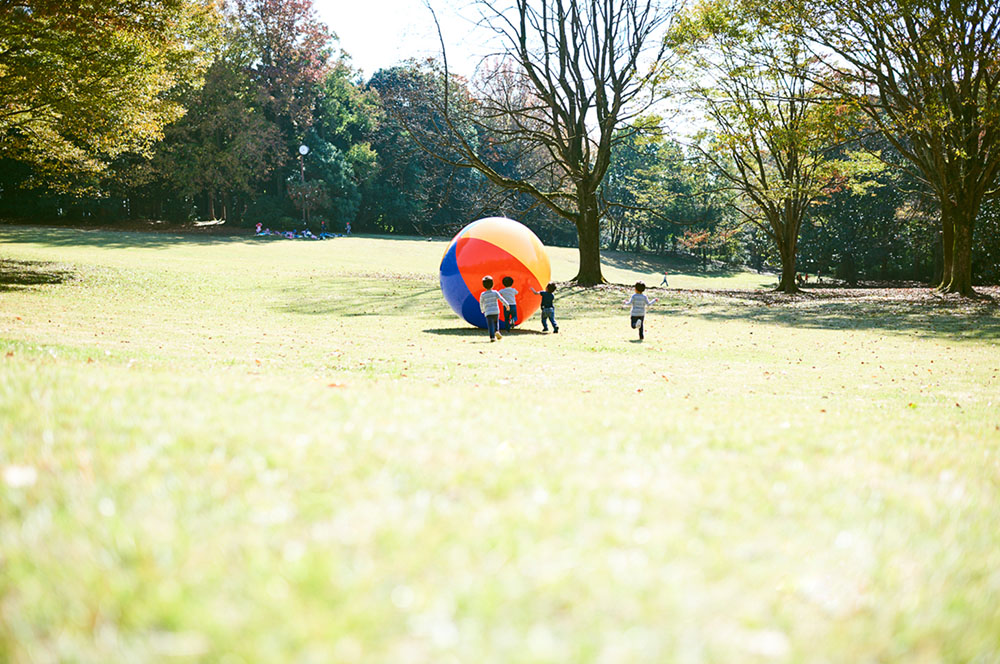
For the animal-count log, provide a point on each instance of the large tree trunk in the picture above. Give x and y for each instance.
(787, 283)
(961, 262)
(787, 250)
(588, 233)
(588, 236)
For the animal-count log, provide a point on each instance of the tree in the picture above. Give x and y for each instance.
(341, 156)
(570, 75)
(223, 145)
(880, 233)
(291, 48)
(254, 111)
(412, 191)
(656, 192)
(927, 73)
(773, 130)
(83, 82)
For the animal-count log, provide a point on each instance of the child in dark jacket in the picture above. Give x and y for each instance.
(548, 307)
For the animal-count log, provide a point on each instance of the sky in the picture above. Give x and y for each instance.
(381, 33)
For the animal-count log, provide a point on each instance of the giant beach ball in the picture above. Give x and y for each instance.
(498, 247)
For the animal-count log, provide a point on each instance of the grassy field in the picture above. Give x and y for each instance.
(235, 450)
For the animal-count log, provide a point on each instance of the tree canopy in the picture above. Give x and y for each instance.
(927, 74)
(774, 132)
(570, 75)
(83, 82)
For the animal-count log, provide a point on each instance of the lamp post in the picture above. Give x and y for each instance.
(303, 151)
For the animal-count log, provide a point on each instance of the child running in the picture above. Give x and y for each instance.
(489, 303)
(548, 307)
(639, 302)
(510, 296)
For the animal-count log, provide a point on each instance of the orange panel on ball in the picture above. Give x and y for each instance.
(478, 258)
(517, 240)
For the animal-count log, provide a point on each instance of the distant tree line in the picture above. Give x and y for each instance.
(882, 166)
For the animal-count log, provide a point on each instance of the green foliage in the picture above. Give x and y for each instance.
(347, 113)
(774, 132)
(881, 231)
(341, 157)
(986, 255)
(657, 192)
(267, 210)
(411, 191)
(927, 74)
(291, 50)
(82, 83)
(224, 143)
(242, 91)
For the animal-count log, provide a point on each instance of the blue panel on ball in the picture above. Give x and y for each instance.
(449, 263)
(456, 293)
(471, 312)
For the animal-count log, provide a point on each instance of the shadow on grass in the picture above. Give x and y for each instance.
(903, 310)
(475, 331)
(19, 275)
(113, 239)
(152, 235)
(456, 331)
(351, 300)
(523, 332)
(653, 264)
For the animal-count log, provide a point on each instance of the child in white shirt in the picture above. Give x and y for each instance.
(639, 302)
(490, 302)
(510, 296)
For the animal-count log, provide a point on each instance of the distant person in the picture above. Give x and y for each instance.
(489, 303)
(347, 228)
(510, 295)
(664, 282)
(639, 302)
(548, 307)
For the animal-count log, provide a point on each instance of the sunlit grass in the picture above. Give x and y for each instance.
(230, 450)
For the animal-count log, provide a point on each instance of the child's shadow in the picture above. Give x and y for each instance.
(475, 331)
(455, 331)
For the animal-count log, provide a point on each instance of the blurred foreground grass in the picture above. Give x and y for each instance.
(249, 451)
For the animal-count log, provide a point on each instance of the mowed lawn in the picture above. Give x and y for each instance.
(239, 450)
